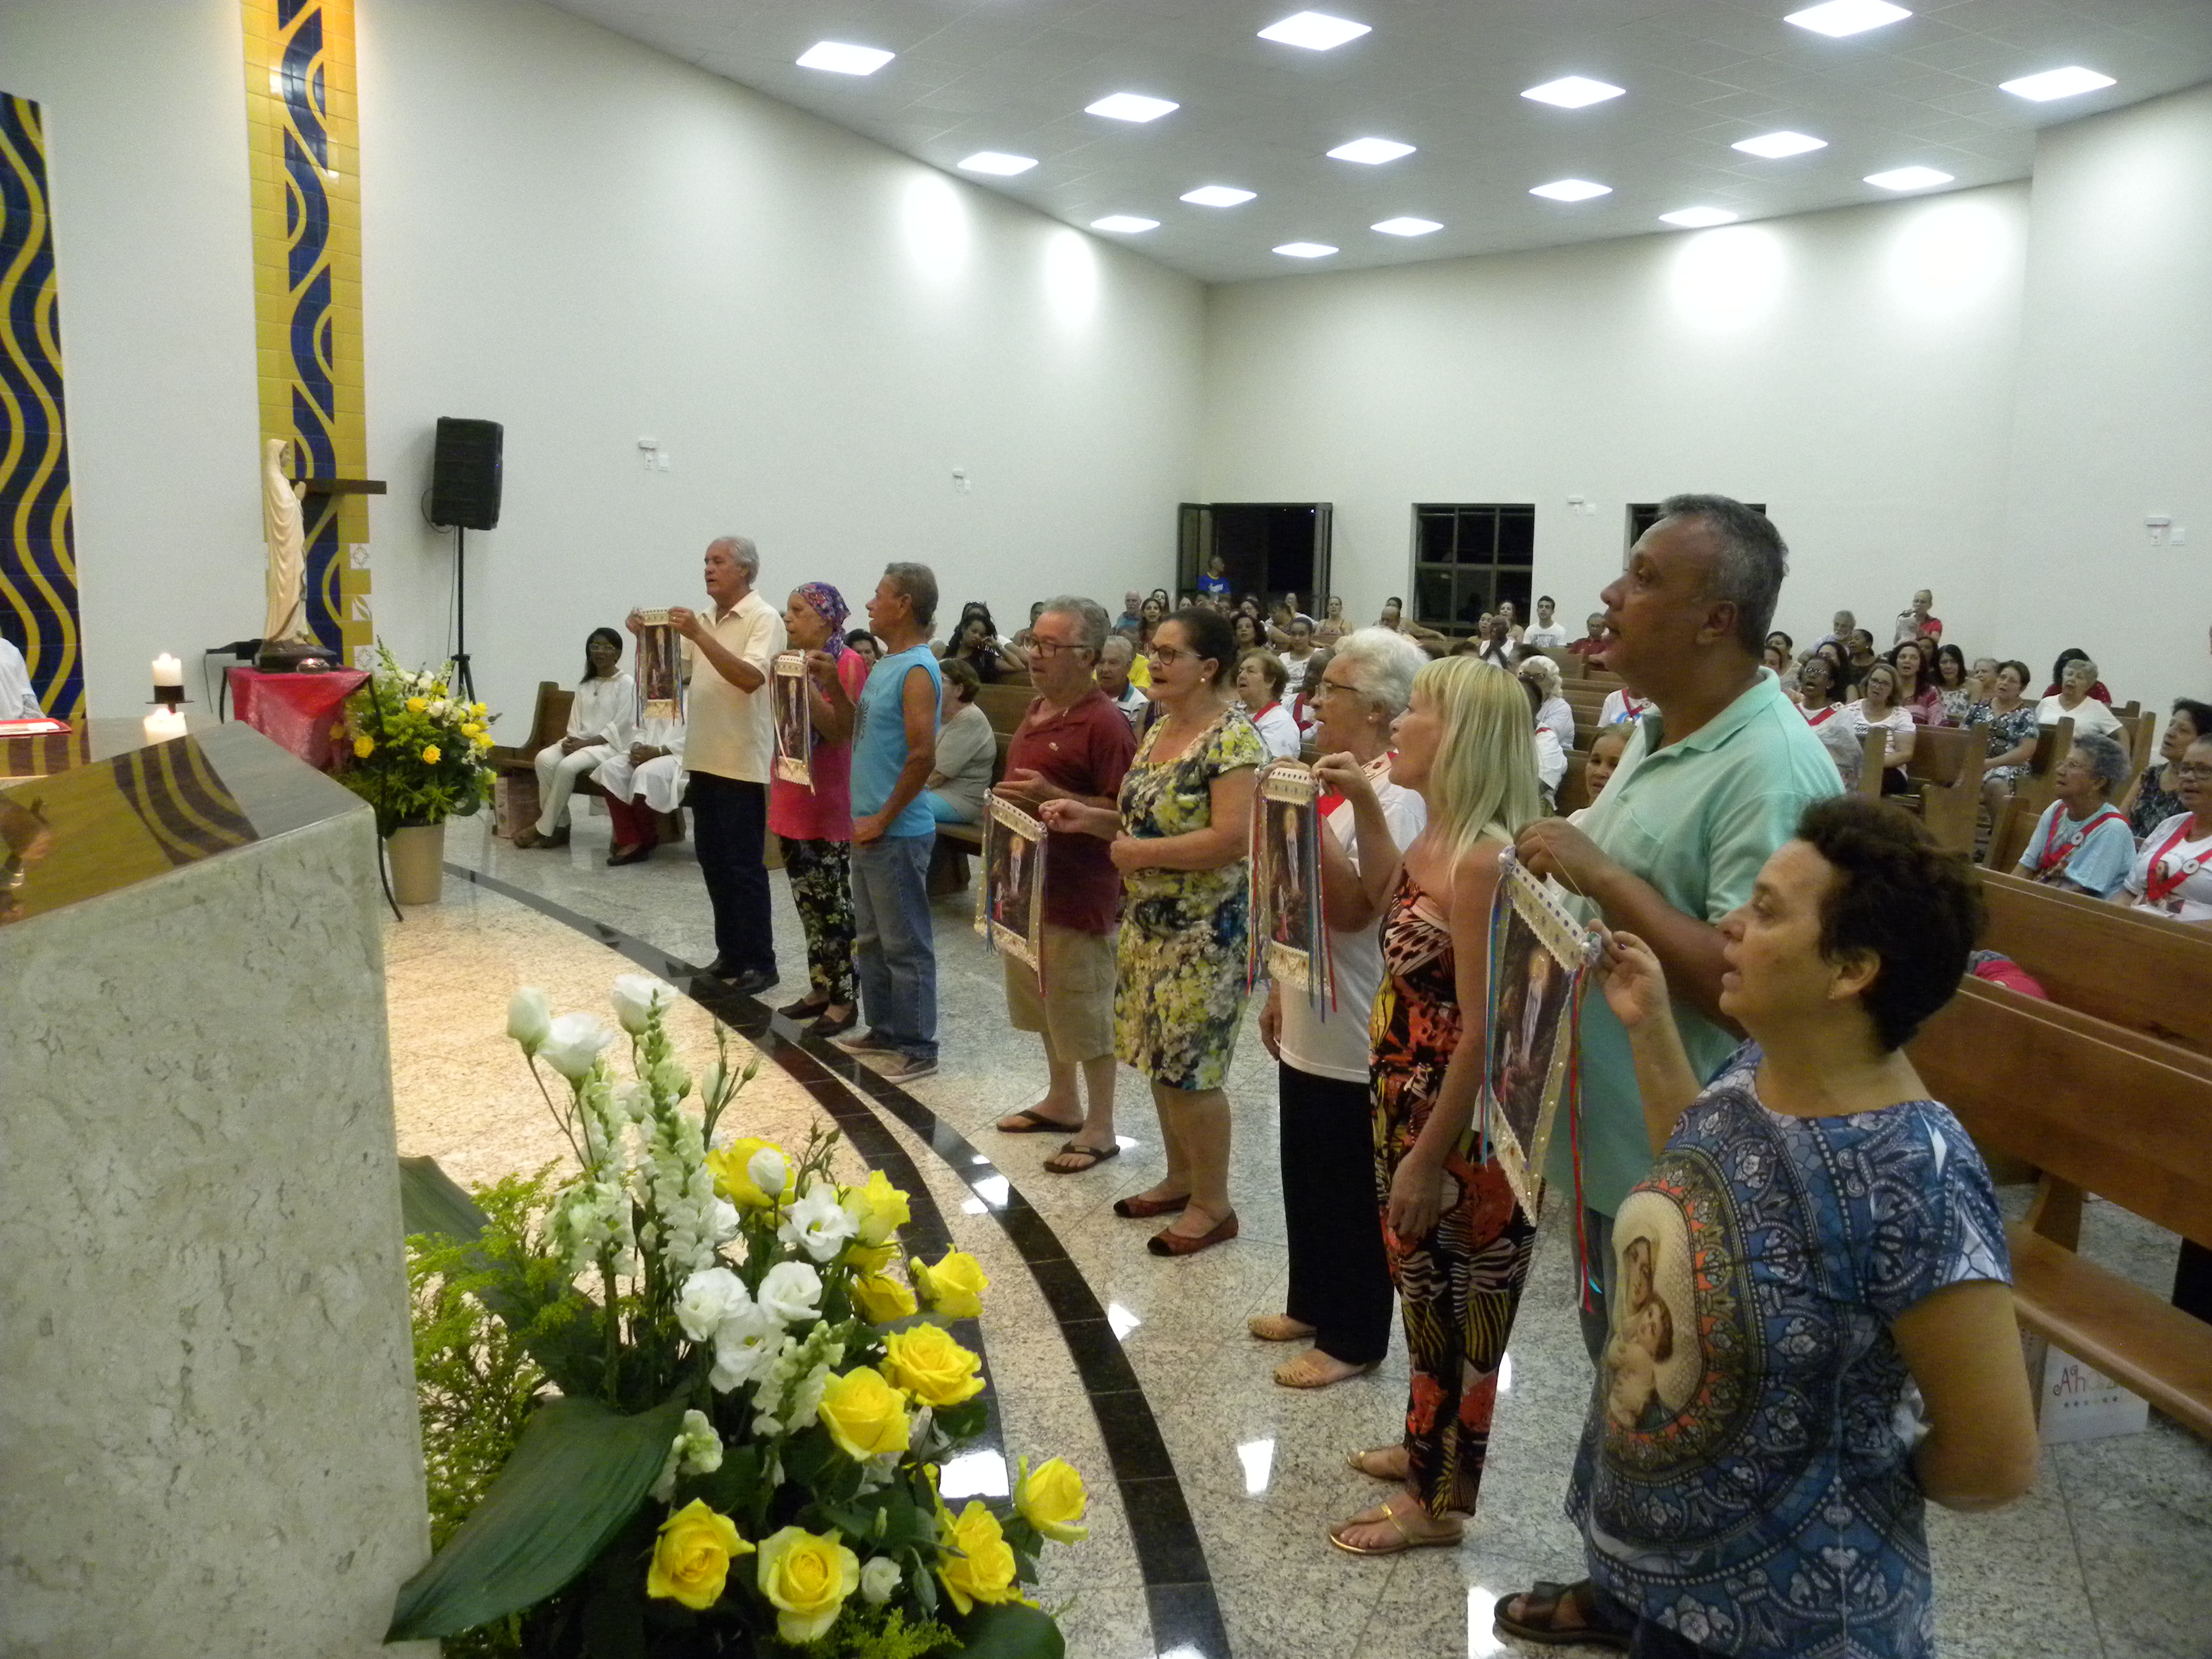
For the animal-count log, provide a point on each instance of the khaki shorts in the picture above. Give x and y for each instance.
(1078, 1017)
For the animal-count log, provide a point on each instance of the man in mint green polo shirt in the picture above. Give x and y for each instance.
(1711, 783)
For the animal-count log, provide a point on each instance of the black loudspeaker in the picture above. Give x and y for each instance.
(465, 474)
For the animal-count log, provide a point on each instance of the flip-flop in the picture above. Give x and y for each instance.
(1030, 1121)
(1550, 1633)
(1097, 1155)
(1356, 1461)
(1443, 1541)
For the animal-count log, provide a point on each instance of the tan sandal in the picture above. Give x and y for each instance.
(1357, 1461)
(1305, 1372)
(1407, 1539)
(1276, 1327)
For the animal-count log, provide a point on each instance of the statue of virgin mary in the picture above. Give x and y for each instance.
(283, 527)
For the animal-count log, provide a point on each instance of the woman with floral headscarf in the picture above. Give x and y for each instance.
(814, 820)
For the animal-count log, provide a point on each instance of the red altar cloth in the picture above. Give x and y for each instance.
(296, 711)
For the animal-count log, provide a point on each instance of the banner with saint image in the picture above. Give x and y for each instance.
(659, 668)
(1010, 899)
(1539, 956)
(1290, 939)
(794, 710)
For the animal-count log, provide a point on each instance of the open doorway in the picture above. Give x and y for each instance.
(1265, 548)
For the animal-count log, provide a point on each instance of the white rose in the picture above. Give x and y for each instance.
(574, 1043)
(879, 1580)
(529, 1017)
(768, 1170)
(636, 996)
(709, 1299)
(817, 1223)
(746, 1345)
(790, 1292)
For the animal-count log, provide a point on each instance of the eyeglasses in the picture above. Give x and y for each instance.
(2193, 774)
(1043, 647)
(1167, 656)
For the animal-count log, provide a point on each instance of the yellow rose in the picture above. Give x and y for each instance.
(470, 729)
(878, 1209)
(691, 1558)
(807, 1579)
(417, 705)
(864, 1414)
(870, 1259)
(363, 747)
(955, 1286)
(983, 1570)
(1052, 1499)
(931, 1366)
(430, 755)
(733, 1182)
(881, 1298)
(477, 709)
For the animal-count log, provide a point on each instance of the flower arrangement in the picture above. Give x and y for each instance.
(755, 1395)
(418, 751)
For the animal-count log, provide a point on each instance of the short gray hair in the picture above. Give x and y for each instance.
(919, 583)
(1129, 646)
(2082, 664)
(1542, 670)
(2105, 757)
(742, 552)
(1381, 665)
(1089, 614)
(1752, 560)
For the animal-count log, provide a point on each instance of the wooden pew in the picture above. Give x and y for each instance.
(1003, 705)
(2015, 824)
(1946, 769)
(549, 723)
(2137, 969)
(2103, 1111)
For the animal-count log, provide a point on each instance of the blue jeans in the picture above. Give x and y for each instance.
(894, 948)
(945, 809)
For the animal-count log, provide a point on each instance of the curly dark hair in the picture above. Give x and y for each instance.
(1212, 638)
(1917, 908)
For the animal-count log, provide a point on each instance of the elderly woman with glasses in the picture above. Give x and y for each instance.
(1178, 837)
(1339, 1290)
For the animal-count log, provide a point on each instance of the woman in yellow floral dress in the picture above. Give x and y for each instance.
(1180, 843)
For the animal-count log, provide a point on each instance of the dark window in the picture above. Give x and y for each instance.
(1266, 548)
(1467, 558)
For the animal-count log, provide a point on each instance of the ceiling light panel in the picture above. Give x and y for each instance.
(1699, 218)
(1371, 151)
(2069, 82)
(840, 59)
(1217, 196)
(1838, 18)
(997, 162)
(1304, 249)
(1408, 226)
(1571, 190)
(1574, 91)
(1127, 224)
(1908, 178)
(1130, 106)
(1775, 146)
(1317, 31)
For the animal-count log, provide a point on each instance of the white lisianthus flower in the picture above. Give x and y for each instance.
(701, 1448)
(709, 1300)
(722, 1220)
(790, 1292)
(574, 1045)
(529, 1017)
(768, 1170)
(746, 1345)
(817, 1224)
(879, 1580)
(636, 996)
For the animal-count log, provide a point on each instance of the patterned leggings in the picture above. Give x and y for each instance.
(1458, 1287)
(821, 874)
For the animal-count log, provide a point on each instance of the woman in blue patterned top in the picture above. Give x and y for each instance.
(1814, 1329)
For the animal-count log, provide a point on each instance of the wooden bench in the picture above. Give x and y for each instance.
(2134, 968)
(1945, 768)
(2015, 824)
(549, 724)
(2100, 1111)
(1004, 705)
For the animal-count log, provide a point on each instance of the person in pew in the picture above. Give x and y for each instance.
(1550, 753)
(1840, 629)
(600, 721)
(1776, 659)
(1816, 698)
(2173, 871)
(975, 643)
(1261, 680)
(1547, 633)
(2156, 796)
(1914, 623)
(1332, 627)
(1394, 618)
(1876, 706)
(1839, 659)
(814, 820)
(1954, 686)
(1115, 658)
(2081, 842)
(869, 648)
(1622, 706)
(1605, 749)
(1592, 642)
(967, 749)
(1916, 692)
(643, 781)
(1246, 630)
(1554, 712)
(1305, 701)
(1816, 1331)
(2074, 653)
(1132, 602)
(2012, 729)
(1214, 583)
(1298, 650)
(1859, 652)
(2076, 699)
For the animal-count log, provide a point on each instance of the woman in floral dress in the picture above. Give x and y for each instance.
(1179, 840)
(1458, 1245)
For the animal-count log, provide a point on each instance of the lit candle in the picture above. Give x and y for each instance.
(163, 723)
(167, 671)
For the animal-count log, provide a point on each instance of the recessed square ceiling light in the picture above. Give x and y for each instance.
(1908, 178)
(1573, 92)
(1130, 106)
(1217, 196)
(1698, 218)
(1372, 151)
(1407, 227)
(841, 59)
(998, 161)
(1571, 190)
(1128, 222)
(1840, 17)
(1317, 31)
(1305, 249)
(1773, 146)
(2056, 83)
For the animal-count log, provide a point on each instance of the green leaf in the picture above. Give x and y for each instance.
(578, 1475)
(1009, 1630)
(431, 1201)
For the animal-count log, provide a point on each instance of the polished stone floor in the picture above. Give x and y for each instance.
(2106, 1560)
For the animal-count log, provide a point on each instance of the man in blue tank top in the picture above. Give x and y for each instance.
(894, 747)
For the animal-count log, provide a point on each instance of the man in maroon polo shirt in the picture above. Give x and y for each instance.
(1073, 743)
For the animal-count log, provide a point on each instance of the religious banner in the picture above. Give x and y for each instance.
(1539, 955)
(1010, 899)
(659, 668)
(1289, 942)
(794, 718)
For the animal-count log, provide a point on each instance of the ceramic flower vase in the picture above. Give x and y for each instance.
(418, 863)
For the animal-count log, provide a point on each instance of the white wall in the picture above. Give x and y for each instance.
(1852, 369)
(2115, 410)
(589, 242)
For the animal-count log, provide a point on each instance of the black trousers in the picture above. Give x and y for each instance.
(1339, 1279)
(729, 821)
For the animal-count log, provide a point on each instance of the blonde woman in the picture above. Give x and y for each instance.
(1458, 1245)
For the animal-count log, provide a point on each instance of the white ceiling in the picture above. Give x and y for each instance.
(1446, 77)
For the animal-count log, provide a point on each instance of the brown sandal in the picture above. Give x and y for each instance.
(1590, 1629)
(1167, 1241)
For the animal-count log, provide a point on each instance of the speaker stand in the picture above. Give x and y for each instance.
(464, 679)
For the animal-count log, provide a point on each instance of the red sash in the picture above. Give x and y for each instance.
(2052, 862)
(2158, 889)
(1816, 720)
(1374, 768)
